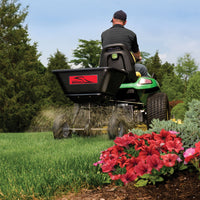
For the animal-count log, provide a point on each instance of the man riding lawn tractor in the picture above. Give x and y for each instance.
(112, 90)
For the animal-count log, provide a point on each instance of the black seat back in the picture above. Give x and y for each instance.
(119, 57)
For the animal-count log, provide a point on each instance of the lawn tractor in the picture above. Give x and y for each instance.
(110, 98)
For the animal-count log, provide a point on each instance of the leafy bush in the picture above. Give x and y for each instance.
(174, 103)
(178, 111)
(193, 91)
(193, 114)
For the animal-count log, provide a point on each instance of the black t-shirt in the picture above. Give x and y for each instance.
(119, 34)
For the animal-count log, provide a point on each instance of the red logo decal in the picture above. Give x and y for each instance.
(82, 79)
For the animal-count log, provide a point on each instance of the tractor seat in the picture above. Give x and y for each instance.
(119, 57)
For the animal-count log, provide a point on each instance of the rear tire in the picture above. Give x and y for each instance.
(157, 107)
(117, 127)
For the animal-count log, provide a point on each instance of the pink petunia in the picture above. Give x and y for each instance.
(179, 159)
(189, 152)
(98, 163)
(174, 132)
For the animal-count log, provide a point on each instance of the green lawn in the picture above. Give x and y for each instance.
(36, 165)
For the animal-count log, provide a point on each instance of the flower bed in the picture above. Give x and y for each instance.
(148, 158)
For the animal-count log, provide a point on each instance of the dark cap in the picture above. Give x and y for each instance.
(120, 14)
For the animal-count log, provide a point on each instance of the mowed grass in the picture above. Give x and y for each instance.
(34, 165)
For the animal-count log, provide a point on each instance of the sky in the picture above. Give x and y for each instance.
(171, 27)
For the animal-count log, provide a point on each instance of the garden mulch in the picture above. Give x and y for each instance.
(183, 185)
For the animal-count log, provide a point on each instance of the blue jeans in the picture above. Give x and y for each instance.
(142, 69)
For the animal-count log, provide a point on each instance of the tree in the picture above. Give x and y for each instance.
(186, 67)
(56, 95)
(173, 86)
(87, 53)
(21, 71)
(154, 64)
(156, 68)
(167, 69)
(193, 91)
(144, 56)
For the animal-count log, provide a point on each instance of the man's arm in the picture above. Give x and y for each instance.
(135, 48)
(137, 56)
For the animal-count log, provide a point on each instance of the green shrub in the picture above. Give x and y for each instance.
(178, 111)
(193, 114)
(193, 91)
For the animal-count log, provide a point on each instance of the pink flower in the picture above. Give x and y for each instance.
(174, 132)
(179, 159)
(97, 163)
(189, 152)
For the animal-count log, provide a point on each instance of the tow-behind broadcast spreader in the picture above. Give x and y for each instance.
(110, 97)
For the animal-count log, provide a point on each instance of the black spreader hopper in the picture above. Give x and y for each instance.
(93, 85)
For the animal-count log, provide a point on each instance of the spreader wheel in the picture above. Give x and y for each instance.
(61, 128)
(157, 107)
(117, 127)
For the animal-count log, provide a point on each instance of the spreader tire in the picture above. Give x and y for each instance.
(117, 127)
(60, 128)
(157, 107)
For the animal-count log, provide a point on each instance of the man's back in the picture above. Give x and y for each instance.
(119, 34)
